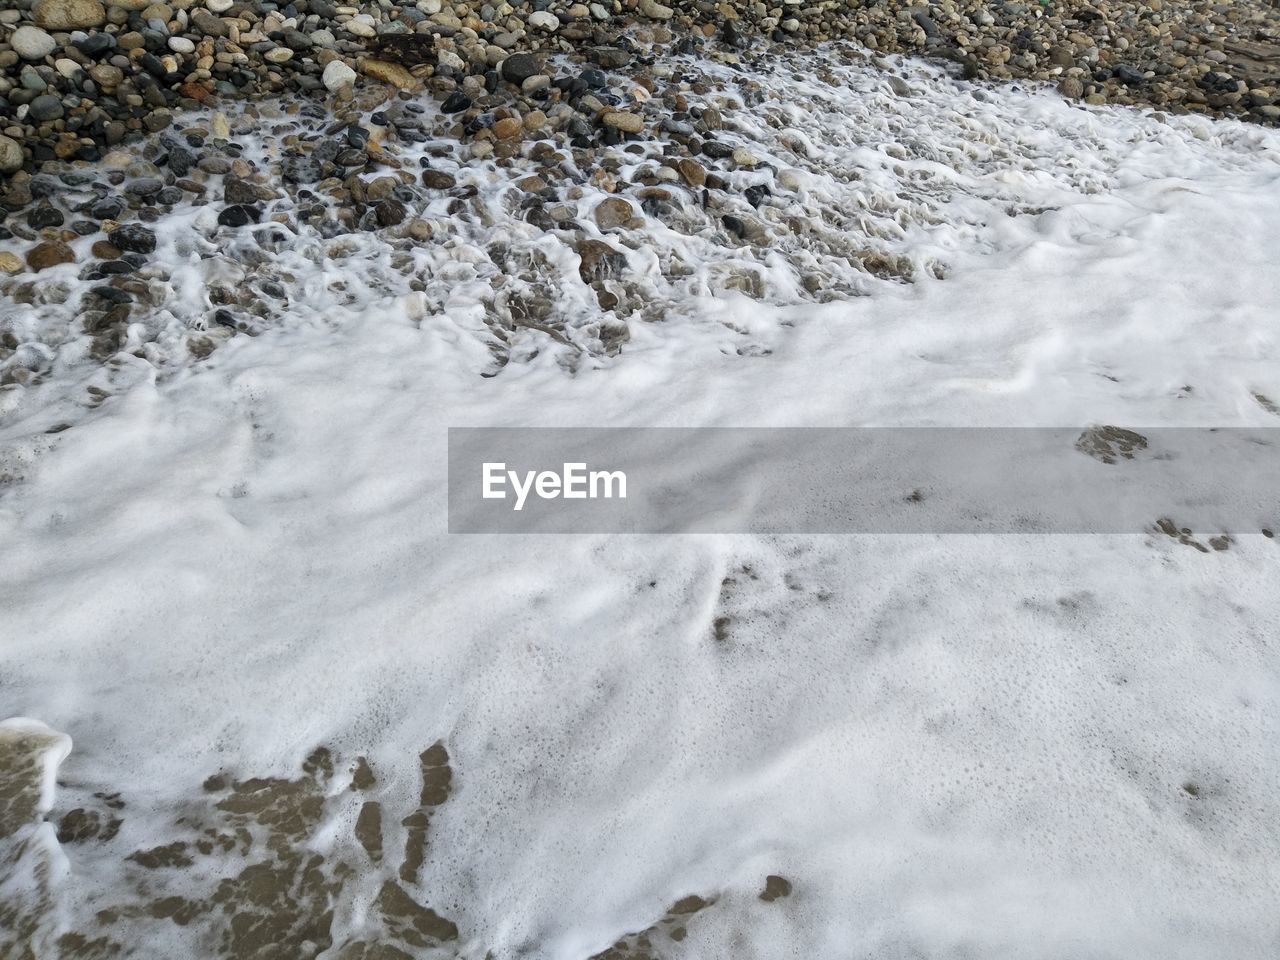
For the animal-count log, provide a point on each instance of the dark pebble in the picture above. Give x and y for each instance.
(389, 213)
(111, 294)
(519, 67)
(44, 215)
(134, 238)
(235, 190)
(239, 215)
(456, 102)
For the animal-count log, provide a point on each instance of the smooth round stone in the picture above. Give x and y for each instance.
(337, 75)
(32, 43)
(96, 44)
(66, 67)
(219, 6)
(278, 55)
(45, 107)
(30, 80)
(10, 154)
(543, 20)
(182, 45)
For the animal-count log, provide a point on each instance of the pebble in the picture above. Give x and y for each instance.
(133, 238)
(69, 14)
(32, 43)
(626, 122)
(337, 75)
(51, 253)
(44, 108)
(10, 154)
(613, 212)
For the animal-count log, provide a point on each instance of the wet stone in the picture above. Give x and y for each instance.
(133, 238)
(49, 254)
(239, 215)
(44, 215)
(235, 190)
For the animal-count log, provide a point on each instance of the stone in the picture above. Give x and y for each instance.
(456, 102)
(611, 58)
(438, 180)
(543, 20)
(95, 44)
(789, 179)
(49, 254)
(613, 212)
(337, 75)
(519, 67)
(209, 25)
(598, 260)
(182, 45)
(300, 170)
(389, 213)
(45, 108)
(10, 155)
(626, 122)
(1071, 88)
(32, 43)
(69, 14)
(655, 10)
(44, 214)
(106, 75)
(692, 172)
(507, 128)
(133, 238)
(235, 190)
(10, 262)
(278, 55)
(239, 215)
(386, 72)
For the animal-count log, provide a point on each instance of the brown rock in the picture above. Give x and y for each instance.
(69, 14)
(691, 172)
(49, 254)
(614, 212)
(438, 180)
(385, 72)
(599, 261)
(1071, 88)
(626, 122)
(104, 250)
(507, 129)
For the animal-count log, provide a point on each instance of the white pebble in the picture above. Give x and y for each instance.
(544, 21)
(337, 75)
(32, 43)
(181, 45)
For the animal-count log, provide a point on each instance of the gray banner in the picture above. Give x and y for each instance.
(864, 480)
